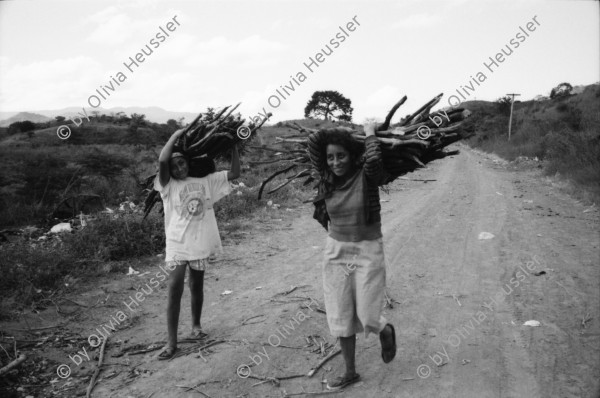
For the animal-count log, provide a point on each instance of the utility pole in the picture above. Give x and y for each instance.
(511, 108)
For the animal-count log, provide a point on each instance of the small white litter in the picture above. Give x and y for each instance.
(270, 203)
(239, 193)
(226, 292)
(132, 271)
(258, 287)
(62, 227)
(532, 323)
(241, 185)
(485, 235)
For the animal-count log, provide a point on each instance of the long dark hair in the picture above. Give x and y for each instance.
(344, 139)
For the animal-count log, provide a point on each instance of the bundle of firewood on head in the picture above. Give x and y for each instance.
(206, 138)
(406, 146)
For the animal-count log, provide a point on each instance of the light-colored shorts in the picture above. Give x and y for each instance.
(354, 286)
(196, 265)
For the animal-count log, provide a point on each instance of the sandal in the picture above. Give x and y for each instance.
(342, 382)
(167, 353)
(388, 354)
(197, 334)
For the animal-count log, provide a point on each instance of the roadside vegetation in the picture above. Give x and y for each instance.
(111, 157)
(560, 132)
(40, 170)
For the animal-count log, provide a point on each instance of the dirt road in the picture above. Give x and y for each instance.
(460, 301)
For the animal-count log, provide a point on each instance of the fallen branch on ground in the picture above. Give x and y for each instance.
(13, 364)
(88, 393)
(244, 322)
(199, 347)
(285, 394)
(322, 362)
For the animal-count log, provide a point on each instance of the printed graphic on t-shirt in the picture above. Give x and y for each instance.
(193, 201)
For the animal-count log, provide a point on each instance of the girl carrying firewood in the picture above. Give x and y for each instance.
(191, 230)
(354, 268)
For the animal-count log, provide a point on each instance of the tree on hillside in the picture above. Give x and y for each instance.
(60, 119)
(503, 104)
(209, 115)
(122, 118)
(562, 90)
(329, 104)
(21, 127)
(173, 124)
(138, 119)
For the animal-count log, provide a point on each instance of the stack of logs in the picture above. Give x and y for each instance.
(204, 139)
(406, 146)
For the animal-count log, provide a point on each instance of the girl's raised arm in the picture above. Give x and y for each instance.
(374, 170)
(235, 164)
(315, 144)
(164, 173)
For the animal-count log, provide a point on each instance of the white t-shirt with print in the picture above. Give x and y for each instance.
(190, 224)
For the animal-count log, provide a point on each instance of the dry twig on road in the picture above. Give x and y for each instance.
(13, 364)
(88, 393)
(314, 370)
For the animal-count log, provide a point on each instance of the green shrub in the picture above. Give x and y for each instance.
(117, 236)
(574, 154)
(27, 266)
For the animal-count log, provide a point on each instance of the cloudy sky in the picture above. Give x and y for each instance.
(56, 54)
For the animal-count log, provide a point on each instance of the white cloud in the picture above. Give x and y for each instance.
(383, 98)
(113, 26)
(417, 21)
(46, 84)
(114, 30)
(249, 52)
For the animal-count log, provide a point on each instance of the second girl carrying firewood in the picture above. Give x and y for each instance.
(354, 267)
(191, 230)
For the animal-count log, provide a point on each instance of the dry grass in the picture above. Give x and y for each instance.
(563, 133)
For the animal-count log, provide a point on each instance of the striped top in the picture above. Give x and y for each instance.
(361, 191)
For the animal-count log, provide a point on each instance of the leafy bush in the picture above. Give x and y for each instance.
(117, 236)
(562, 90)
(21, 127)
(39, 178)
(27, 266)
(575, 154)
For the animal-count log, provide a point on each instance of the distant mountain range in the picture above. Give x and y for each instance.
(153, 114)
